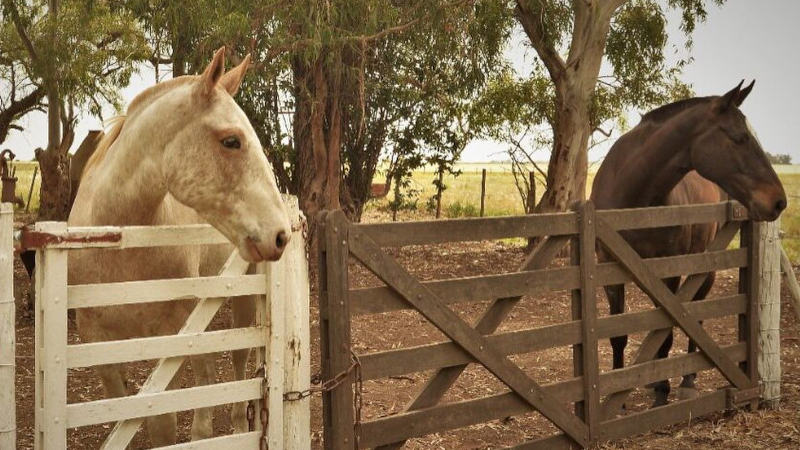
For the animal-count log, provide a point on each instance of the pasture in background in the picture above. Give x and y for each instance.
(462, 197)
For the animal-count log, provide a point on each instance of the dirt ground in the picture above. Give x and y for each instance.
(769, 429)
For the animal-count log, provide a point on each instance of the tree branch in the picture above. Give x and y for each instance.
(11, 6)
(533, 26)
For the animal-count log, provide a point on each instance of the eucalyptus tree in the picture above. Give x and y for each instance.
(573, 39)
(76, 54)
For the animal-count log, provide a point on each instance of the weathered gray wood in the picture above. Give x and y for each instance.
(8, 418)
(659, 293)
(439, 383)
(791, 282)
(554, 224)
(588, 315)
(339, 431)
(769, 313)
(469, 289)
(469, 412)
(652, 342)
(447, 354)
(368, 252)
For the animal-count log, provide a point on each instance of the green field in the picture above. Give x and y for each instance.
(462, 196)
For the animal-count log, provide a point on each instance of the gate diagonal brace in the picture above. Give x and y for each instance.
(474, 343)
(672, 305)
(438, 384)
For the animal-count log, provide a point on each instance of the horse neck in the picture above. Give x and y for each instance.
(129, 189)
(658, 164)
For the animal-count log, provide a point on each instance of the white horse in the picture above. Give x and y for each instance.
(185, 153)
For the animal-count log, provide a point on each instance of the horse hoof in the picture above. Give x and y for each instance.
(659, 401)
(687, 393)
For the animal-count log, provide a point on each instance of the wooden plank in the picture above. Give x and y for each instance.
(51, 299)
(652, 419)
(151, 404)
(130, 292)
(436, 386)
(448, 354)
(588, 315)
(157, 347)
(234, 441)
(276, 295)
(659, 293)
(167, 368)
(652, 342)
(296, 351)
(8, 418)
(136, 236)
(479, 288)
(664, 216)
(470, 229)
(456, 329)
(340, 433)
(769, 313)
(460, 414)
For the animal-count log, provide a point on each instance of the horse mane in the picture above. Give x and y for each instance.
(663, 113)
(145, 97)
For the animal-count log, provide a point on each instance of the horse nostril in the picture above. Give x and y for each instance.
(281, 240)
(780, 205)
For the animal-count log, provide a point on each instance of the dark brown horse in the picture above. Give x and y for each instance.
(681, 154)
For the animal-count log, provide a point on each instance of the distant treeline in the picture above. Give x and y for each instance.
(779, 159)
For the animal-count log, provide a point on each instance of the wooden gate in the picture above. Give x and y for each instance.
(583, 407)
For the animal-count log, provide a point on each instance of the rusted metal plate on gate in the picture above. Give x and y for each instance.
(32, 239)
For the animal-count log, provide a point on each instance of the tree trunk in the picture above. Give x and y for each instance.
(55, 188)
(317, 135)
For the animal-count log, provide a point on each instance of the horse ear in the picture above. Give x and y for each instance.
(744, 93)
(233, 78)
(213, 73)
(730, 97)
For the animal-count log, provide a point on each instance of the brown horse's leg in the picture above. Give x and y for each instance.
(661, 388)
(204, 370)
(616, 305)
(163, 429)
(687, 389)
(113, 378)
(244, 309)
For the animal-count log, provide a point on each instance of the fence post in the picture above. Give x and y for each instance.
(296, 352)
(749, 284)
(483, 190)
(51, 343)
(276, 296)
(338, 414)
(531, 200)
(8, 419)
(769, 313)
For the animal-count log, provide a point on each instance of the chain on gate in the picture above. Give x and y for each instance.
(318, 386)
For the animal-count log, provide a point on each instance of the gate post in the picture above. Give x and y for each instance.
(749, 284)
(769, 313)
(337, 413)
(8, 420)
(50, 401)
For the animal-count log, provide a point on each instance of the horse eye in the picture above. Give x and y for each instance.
(231, 142)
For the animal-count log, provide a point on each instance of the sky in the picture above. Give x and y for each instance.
(744, 39)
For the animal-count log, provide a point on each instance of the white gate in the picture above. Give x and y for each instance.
(280, 335)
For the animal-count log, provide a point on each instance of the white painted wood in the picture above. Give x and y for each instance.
(8, 419)
(231, 442)
(125, 293)
(275, 298)
(791, 282)
(144, 405)
(296, 351)
(769, 314)
(167, 368)
(140, 236)
(51, 370)
(263, 353)
(156, 347)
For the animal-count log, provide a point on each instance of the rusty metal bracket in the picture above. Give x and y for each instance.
(738, 397)
(737, 211)
(31, 239)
